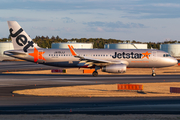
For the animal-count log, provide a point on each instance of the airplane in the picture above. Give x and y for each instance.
(109, 60)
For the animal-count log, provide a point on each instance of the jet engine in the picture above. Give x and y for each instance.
(115, 68)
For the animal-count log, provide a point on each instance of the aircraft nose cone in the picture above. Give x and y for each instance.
(174, 61)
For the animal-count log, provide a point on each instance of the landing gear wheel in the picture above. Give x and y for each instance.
(95, 73)
(153, 74)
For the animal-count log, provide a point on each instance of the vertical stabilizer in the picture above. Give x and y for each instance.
(20, 38)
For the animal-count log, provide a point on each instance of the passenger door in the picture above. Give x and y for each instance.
(154, 55)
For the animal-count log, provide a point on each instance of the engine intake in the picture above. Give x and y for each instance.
(115, 68)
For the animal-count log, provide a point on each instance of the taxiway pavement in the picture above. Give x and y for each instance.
(13, 103)
(22, 65)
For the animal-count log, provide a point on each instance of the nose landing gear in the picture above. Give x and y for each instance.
(153, 72)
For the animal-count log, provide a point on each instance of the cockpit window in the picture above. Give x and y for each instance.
(166, 55)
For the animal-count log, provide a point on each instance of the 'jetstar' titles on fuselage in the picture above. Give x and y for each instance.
(127, 55)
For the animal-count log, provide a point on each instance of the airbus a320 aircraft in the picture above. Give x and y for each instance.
(110, 60)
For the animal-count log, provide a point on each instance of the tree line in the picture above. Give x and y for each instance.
(45, 42)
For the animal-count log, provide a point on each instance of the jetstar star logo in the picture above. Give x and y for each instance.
(146, 54)
(37, 55)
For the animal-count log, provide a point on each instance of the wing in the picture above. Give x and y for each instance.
(92, 61)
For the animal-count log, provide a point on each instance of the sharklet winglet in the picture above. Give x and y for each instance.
(72, 51)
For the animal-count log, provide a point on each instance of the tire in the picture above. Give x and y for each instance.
(153, 74)
(95, 73)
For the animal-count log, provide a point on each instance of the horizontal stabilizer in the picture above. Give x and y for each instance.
(14, 53)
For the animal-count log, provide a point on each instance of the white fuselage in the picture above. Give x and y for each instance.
(130, 57)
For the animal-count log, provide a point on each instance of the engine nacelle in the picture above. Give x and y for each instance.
(115, 68)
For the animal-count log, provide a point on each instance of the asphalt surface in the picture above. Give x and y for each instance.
(20, 104)
(22, 65)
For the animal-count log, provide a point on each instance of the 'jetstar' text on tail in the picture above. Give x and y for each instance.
(21, 40)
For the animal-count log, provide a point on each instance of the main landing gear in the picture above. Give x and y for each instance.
(95, 73)
(153, 72)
